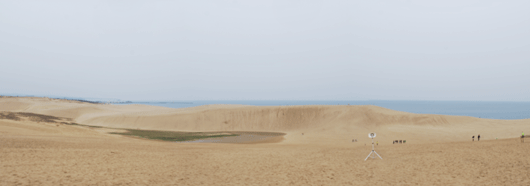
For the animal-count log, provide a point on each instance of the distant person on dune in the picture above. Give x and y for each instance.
(522, 138)
(473, 138)
(478, 138)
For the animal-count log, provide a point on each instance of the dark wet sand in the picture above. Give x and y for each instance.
(244, 137)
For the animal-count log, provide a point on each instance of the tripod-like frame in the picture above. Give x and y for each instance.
(373, 152)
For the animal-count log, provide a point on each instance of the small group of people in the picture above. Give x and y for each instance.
(354, 140)
(478, 138)
(399, 141)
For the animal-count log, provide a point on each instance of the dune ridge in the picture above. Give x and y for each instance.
(320, 124)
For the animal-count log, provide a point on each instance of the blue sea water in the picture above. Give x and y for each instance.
(479, 109)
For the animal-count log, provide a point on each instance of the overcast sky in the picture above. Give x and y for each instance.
(267, 50)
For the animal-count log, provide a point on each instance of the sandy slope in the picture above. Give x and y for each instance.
(438, 149)
(320, 124)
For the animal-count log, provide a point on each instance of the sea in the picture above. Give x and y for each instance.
(479, 109)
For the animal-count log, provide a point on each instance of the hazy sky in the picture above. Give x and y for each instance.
(267, 50)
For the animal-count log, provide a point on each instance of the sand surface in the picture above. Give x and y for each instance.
(439, 150)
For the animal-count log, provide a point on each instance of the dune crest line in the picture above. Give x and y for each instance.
(321, 124)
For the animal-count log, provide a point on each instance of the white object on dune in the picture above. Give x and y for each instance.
(372, 135)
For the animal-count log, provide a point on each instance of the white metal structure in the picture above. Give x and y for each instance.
(373, 153)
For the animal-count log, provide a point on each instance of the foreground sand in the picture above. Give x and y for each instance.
(33, 153)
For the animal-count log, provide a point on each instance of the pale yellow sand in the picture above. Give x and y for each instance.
(439, 150)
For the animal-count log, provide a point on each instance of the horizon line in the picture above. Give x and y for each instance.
(188, 100)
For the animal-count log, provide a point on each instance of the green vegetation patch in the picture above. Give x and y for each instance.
(174, 136)
(17, 116)
(77, 124)
(9, 115)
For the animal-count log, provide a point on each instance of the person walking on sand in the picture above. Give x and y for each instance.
(473, 138)
(478, 137)
(522, 138)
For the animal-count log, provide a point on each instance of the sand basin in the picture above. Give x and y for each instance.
(244, 138)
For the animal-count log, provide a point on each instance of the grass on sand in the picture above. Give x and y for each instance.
(172, 135)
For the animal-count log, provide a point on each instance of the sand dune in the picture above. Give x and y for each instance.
(439, 150)
(320, 124)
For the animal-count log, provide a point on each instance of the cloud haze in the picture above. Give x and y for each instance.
(303, 50)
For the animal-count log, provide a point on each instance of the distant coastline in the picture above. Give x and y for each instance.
(149, 102)
(479, 109)
(484, 109)
(101, 102)
(79, 100)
